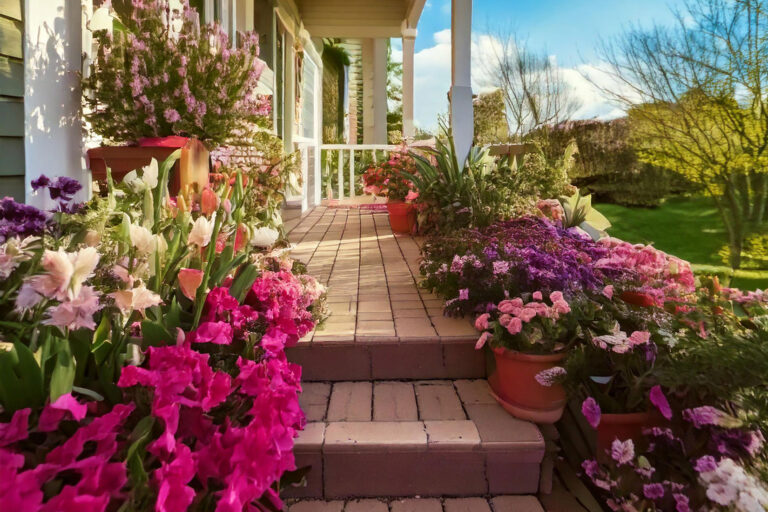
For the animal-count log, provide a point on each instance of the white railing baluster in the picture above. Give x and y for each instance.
(351, 173)
(373, 154)
(340, 173)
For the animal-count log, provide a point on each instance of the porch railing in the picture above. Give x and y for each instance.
(342, 160)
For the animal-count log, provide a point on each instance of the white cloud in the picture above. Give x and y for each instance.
(432, 80)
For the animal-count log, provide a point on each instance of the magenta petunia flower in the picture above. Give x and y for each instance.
(653, 491)
(591, 411)
(658, 399)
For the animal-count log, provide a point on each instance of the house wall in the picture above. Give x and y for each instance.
(12, 99)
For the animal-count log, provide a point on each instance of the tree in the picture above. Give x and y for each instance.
(490, 118)
(696, 96)
(394, 98)
(532, 85)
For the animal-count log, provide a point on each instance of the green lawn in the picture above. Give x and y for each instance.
(688, 227)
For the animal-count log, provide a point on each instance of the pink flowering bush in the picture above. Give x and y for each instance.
(166, 75)
(142, 360)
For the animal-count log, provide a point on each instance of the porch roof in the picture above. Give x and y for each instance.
(359, 18)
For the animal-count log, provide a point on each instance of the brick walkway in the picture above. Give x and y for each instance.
(394, 392)
(371, 277)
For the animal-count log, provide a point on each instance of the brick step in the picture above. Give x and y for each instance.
(470, 504)
(414, 438)
(370, 358)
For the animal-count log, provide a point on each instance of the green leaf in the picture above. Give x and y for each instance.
(154, 334)
(173, 316)
(134, 459)
(222, 273)
(243, 282)
(63, 376)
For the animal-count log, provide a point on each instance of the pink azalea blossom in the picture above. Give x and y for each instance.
(515, 326)
(481, 322)
(481, 341)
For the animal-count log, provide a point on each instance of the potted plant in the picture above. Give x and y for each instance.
(530, 337)
(390, 179)
(160, 82)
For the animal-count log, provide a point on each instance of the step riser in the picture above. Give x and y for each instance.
(388, 361)
(404, 474)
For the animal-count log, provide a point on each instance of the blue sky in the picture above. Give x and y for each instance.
(569, 30)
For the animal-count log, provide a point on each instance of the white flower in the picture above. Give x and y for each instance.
(14, 252)
(150, 174)
(137, 299)
(264, 237)
(133, 182)
(142, 239)
(201, 231)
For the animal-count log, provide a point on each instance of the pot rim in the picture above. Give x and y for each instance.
(522, 356)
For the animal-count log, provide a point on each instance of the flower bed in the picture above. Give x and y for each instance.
(143, 351)
(644, 341)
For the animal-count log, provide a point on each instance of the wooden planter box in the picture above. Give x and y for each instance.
(190, 173)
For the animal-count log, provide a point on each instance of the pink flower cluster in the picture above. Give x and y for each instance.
(243, 454)
(100, 478)
(277, 304)
(653, 272)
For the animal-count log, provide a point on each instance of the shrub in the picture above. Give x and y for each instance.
(607, 165)
(754, 255)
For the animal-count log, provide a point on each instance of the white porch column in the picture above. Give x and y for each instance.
(462, 116)
(53, 143)
(374, 58)
(409, 41)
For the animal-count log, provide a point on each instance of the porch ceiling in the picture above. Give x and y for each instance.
(358, 18)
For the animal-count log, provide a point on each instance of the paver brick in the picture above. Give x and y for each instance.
(466, 505)
(416, 505)
(438, 401)
(375, 436)
(516, 504)
(453, 435)
(366, 506)
(350, 401)
(394, 401)
(317, 506)
(473, 392)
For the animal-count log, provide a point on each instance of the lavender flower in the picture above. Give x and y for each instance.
(705, 464)
(622, 451)
(20, 220)
(703, 416)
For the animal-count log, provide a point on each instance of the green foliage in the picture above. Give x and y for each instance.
(754, 255)
(538, 175)
(607, 166)
(335, 58)
(490, 118)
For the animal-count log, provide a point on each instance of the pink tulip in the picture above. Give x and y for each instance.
(209, 201)
(190, 280)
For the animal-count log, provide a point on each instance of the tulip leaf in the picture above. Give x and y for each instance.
(155, 335)
(243, 281)
(63, 375)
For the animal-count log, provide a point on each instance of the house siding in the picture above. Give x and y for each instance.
(11, 99)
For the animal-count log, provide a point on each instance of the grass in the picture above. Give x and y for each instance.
(688, 227)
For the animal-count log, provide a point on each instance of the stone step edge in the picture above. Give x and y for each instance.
(358, 361)
(416, 436)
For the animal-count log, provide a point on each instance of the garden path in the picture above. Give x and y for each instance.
(394, 392)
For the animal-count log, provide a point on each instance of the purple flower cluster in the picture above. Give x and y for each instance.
(513, 257)
(62, 189)
(20, 220)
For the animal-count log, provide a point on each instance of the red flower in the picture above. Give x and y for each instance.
(638, 299)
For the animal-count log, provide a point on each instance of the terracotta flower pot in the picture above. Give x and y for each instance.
(515, 387)
(623, 426)
(402, 216)
(189, 173)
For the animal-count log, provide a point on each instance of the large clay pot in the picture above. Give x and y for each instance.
(515, 387)
(402, 216)
(623, 426)
(189, 174)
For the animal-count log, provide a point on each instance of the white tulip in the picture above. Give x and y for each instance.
(201, 232)
(264, 237)
(142, 239)
(150, 174)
